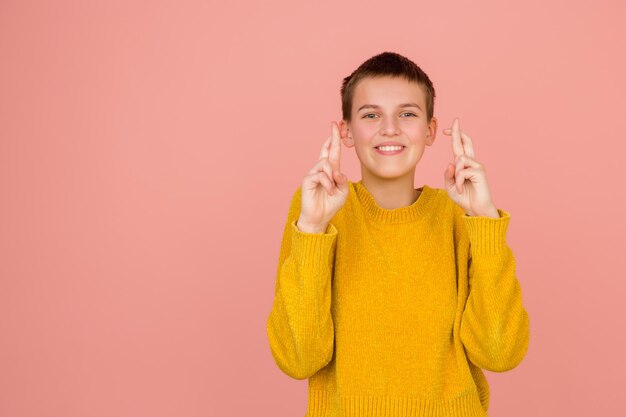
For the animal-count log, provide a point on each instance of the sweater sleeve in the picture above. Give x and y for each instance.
(495, 327)
(300, 327)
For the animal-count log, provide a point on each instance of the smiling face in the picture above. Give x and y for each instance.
(389, 109)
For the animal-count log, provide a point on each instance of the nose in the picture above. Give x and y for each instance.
(389, 127)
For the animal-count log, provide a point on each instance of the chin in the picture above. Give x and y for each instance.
(392, 173)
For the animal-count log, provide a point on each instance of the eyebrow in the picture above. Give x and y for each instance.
(375, 106)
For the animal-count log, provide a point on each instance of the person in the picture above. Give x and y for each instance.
(391, 299)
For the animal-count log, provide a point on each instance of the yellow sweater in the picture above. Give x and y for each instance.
(393, 312)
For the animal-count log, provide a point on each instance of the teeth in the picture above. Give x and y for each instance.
(390, 148)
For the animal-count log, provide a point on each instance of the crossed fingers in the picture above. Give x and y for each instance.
(331, 148)
(461, 142)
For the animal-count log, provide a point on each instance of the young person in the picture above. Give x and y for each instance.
(392, 299)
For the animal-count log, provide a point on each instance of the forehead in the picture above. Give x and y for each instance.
(387, 92)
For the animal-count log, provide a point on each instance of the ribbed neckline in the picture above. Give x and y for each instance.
(398, 215)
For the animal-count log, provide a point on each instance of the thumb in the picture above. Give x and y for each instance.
(341, 180)
(448, 176)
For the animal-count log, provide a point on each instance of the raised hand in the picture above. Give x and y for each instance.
(465, 179)
(324, 188)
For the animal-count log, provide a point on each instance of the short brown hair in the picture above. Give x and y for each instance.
(387, 64)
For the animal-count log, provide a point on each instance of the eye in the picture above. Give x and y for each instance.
(372, 114)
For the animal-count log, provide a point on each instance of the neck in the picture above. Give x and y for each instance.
(391, 193)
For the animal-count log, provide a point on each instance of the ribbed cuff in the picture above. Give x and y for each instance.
(313, 250)
(486, 234)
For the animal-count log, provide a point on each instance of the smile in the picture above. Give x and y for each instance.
(390, 150)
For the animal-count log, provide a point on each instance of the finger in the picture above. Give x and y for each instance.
(448, 176)
(340, 179)
(459, 165)
(463, 175)
(468, 145)
(459, 181)
(323, 179)
(323, 165)
(463, 163)
(457, 145)
(335, 147)
(325, 148)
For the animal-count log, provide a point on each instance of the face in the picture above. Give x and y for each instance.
(379, 115)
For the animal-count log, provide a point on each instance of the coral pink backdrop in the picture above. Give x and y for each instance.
(149, 150)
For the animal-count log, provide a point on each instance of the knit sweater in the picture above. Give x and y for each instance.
(395, 312)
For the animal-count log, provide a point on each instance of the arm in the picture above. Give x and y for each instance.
(495, 327)
(300, 327)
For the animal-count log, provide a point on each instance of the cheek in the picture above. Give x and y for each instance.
(416, 133)
(364, 131)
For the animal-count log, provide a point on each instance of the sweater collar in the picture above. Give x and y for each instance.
(398, 215)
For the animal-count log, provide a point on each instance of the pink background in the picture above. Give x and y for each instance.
(149, 150)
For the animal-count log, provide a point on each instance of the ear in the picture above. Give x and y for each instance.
(345, 133)
(432, 131)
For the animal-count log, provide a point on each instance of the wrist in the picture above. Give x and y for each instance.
(491, 212)
(311, 228)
